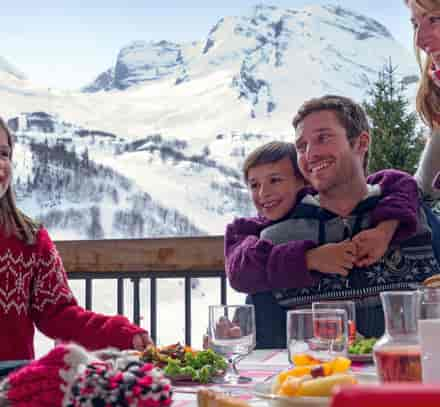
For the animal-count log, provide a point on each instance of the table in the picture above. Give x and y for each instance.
(259, 365)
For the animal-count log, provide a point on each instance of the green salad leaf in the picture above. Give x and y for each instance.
(362, 346)
(201, 366)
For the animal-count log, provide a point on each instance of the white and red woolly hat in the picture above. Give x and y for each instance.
(69, 376)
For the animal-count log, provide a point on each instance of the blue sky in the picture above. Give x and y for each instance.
(66, 44)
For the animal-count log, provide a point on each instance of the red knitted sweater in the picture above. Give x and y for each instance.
(34, 290)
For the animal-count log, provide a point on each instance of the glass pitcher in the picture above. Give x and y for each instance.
(397, 352)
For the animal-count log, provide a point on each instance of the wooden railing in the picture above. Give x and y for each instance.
(153, 259)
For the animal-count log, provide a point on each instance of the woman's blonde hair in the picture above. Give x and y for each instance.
(428, 94)
(12, 220)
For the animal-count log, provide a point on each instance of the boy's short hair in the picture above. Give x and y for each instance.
(270, 153)
(350, 114)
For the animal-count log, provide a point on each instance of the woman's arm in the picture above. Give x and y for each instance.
(429, 166)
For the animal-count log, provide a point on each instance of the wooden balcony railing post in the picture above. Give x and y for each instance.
(153, 309)
(188, 310)
(89, 293)
(120, 296)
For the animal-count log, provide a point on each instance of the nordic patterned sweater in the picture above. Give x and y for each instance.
(34, 292)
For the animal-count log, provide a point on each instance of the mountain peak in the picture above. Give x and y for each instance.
(365, 26)
(9, 69)
(251, 45)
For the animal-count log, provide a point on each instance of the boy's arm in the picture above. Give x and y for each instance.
(400, 202)
(254, 265)
(372, 244)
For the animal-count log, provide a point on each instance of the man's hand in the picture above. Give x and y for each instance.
(372, 243)
(141, 341)
(332, 258)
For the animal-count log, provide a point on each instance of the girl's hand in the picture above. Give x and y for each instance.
(141, 341)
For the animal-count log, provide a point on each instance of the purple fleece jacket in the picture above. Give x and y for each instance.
(255, 265)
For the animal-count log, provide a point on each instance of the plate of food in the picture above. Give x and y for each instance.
(183, 364)
(310, 385)
(361, 350)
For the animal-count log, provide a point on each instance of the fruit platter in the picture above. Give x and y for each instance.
(310, 382)
(184, 364)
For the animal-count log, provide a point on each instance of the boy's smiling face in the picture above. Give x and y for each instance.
(274, 187)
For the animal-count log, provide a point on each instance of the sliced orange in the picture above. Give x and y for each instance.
(340, 364)
(303, 359)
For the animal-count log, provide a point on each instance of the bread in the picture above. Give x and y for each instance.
(432, 282)
(209, 398)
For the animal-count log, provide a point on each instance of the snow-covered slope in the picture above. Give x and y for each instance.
(182, 117)
(10, 72)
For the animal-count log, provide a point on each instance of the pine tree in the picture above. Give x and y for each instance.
(395, 140)
(95, 230)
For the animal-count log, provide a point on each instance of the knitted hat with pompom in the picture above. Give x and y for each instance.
(69, 376)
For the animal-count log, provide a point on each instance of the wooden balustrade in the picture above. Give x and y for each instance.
(182, 257)
(140, 255)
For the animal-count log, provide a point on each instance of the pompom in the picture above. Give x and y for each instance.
(120, 382)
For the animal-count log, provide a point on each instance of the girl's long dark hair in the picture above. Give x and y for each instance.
(12, 220)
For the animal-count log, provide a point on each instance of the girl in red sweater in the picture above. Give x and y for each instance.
(34, 289)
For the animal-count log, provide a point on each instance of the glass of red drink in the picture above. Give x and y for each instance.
(349, 307)
(397, 353)
(399, 364)
(320, 334)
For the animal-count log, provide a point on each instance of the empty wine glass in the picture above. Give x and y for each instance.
(232, 334)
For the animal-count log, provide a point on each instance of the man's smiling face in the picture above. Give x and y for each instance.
(325, 156)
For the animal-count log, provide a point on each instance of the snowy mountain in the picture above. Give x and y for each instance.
(167, 128)
(6, 69)
(140, 62)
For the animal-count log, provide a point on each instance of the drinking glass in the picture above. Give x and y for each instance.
(349, 307)
(319, 334)
(429, 302)
(232, 334)
(397, 353)
(429, 332)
